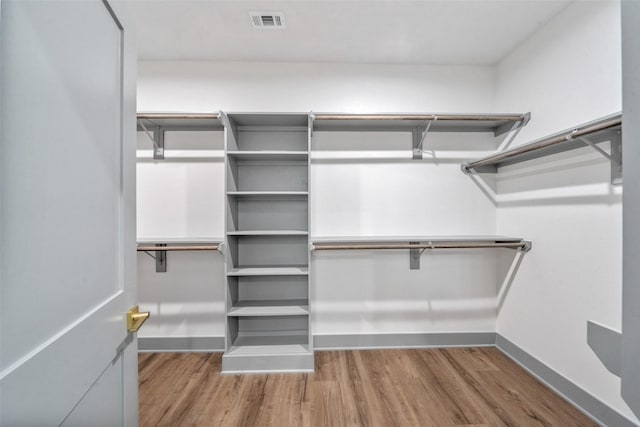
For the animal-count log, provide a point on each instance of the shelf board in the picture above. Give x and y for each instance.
(180, 240)
(600, 130)
(269, 271)
(496, 123)
(269, 155)
(180, 121)
(269, 345)
(268, 233)
(293, 307)
(267, 194)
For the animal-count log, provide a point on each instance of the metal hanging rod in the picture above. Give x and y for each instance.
(523, 245)
(152, 248)
(426, 117)
(553, 141)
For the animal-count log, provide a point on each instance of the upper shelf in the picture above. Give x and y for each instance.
(496, 123)
(180, 121)
(178, 244)
(179, 240)
(588, 134)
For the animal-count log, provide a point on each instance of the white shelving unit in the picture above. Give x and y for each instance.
(267, 244)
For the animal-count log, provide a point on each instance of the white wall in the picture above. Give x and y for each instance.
(566, 74)
(301, 87)
(182, 197)
(362, 184)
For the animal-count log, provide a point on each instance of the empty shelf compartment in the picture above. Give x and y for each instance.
(268, 334)
(265, 345)
(269, 138)
(267, 175)
(268, 251)
(267, 214)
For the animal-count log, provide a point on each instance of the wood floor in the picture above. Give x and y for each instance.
(435, 387)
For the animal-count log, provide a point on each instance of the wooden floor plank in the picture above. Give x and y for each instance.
(433, 387)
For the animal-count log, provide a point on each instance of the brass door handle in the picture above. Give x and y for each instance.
(135, 319)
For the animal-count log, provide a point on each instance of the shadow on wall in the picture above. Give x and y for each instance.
(186, 300)
(392, 147)
(577, 177)
(372, 291)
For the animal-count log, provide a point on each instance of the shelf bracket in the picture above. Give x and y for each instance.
(158, 144)
(510, 127)
(419, 135)
(161, 260)
(157, 138)
(606, 344)
(414, 257)
(615, 157)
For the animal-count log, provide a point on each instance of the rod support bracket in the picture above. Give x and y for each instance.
(161, 260)
(414, 257)
(510, 127)
(416, 143)
(616, 158)
(158, 143)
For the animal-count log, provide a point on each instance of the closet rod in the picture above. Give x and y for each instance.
(438, 245)
(152, 248)
(438, 117)
(545, 143)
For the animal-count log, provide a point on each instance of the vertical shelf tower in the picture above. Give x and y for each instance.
(268, 327)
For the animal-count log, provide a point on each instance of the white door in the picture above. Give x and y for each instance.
(67, 214)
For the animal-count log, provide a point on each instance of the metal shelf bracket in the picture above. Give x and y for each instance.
(509, 127)
(157, 138)
(414, 257)
(161, 259)
(615, 157)
(419, 135)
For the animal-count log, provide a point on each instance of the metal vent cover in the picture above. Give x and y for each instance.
(267, 20)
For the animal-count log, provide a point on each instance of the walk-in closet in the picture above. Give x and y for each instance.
(320, 213)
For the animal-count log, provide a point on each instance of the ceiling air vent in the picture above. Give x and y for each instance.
(267, 20)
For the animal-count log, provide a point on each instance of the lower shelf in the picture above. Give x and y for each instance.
(268, 354)
(265, 345)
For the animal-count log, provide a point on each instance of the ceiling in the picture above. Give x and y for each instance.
(448, 32)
